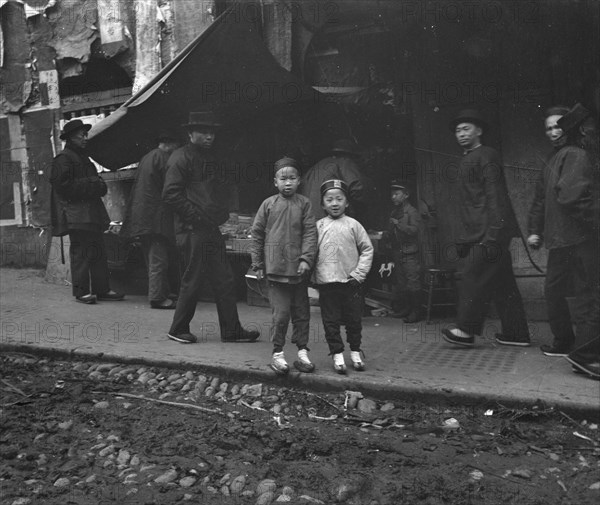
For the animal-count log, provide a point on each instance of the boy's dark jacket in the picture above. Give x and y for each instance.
(404, 236)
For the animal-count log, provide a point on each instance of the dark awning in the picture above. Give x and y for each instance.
(227, 68)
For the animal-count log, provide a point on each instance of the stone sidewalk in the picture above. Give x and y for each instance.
(404, 361)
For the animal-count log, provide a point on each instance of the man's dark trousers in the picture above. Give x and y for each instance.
(207, 259)
(577, 264)
(88, 256)
(163, 267)
(488, 276)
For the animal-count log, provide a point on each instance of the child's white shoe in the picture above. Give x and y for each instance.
(357, 362)
(303, 364)
(339, 365)
(279, 364)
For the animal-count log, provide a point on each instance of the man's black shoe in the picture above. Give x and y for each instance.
(242, 336)
(590, 369)
(87, 299)
(550, 350)
(502, 340)
(111, 296)
(167, 304)
(454, 339)
(183, 338)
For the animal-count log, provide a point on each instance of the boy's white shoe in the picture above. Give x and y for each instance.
(339, 365)
(279, 364)
(357, 362)
(304, 364)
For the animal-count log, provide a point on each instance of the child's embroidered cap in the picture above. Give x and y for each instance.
(334, 184)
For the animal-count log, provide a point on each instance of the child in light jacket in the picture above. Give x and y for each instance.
(344, 258)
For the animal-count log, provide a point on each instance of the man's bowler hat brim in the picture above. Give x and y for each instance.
(73, 126)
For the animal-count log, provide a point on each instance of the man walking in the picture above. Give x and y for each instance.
(488, 224)
(150, 221)
(564, 216)
(77, 210)
(198, 194)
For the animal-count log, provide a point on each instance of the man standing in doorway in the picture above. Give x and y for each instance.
(564, 215)
(199, 196)
(488, 224)
(150, 221)
(77, 210)
(340, 164)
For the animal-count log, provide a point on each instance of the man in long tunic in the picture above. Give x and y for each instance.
(150, 221)
(488, 224)
(564, 216)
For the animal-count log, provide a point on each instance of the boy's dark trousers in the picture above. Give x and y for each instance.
(341, 304)
(89, 263)
(289, 301)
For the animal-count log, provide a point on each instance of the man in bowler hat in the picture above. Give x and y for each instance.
(150, 221)
(198, 194)
(488, 224)
(77, 210)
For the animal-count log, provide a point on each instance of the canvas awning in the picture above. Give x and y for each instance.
(227, 68)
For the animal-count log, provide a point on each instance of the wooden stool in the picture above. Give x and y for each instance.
(439, 280)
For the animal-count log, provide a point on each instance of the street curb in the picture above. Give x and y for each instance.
(322, 383)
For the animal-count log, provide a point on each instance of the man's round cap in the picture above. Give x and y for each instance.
(469, 116)
(334, 184)
(346, 146)
(572, 119)
(396, 184)
(73, 126)
(166, 136)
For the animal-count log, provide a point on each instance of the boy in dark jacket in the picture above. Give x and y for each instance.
(404, 239)
(284, 247)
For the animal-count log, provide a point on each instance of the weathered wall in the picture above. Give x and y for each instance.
(192, 17)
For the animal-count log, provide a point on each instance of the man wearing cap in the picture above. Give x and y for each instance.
(150, 221)
(77, 210)
(198, 194)
(488, 224)
(341, 164)
(564, 215)
(403, 233)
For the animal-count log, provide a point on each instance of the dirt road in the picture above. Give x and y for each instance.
(99, 433)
